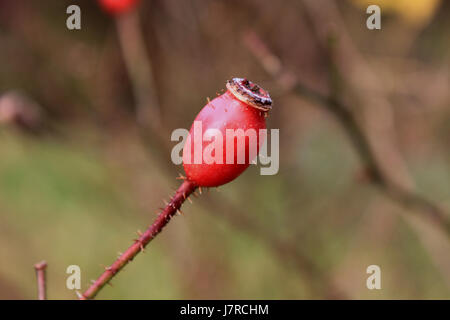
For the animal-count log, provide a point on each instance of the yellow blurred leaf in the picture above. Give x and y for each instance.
(414, 12)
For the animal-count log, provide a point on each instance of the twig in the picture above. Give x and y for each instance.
(40, 275)
(346, 118)
(139, 244)
(139, 67)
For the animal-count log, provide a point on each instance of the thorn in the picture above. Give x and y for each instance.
(200, 190)
(139, 233)
(92, 281)
(189, 199)
(165, 202)
(142, 248)
(181, 177)
(110, 284)
(79, 295)
(195, 194)
(119, 254)
(207, 99)
(179, 212)
(184, 196)
(108, 268)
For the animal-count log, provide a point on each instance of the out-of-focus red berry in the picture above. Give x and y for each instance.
(243, 106)
(116, 7)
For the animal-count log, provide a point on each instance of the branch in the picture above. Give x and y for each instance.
(161, 221)
(346, 118)
(40, 275)
(139, 68)
(281, 248)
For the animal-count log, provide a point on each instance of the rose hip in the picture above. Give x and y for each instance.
(117, 7)
(243, 106)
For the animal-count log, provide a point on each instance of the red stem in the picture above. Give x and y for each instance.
(183, 192)
(40, 274)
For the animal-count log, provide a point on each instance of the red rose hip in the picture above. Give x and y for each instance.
(226, 135)
(116, 7)
(243, 107)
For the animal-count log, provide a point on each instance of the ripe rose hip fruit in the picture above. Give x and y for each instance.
(243, 106)
(117, 6)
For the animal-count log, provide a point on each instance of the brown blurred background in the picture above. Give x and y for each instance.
(364, 119)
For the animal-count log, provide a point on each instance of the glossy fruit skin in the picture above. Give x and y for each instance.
(116, 7)
(223, 112)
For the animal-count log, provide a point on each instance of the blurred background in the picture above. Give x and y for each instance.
(364, 119)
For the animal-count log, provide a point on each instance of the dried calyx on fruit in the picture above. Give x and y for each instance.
(117, 7)
(244, 106)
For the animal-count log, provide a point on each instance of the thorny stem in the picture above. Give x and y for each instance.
(40, 275)
(183, 192)
(347, 119)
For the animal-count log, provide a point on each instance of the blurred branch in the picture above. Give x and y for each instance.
(40, 274)
(183, 192)
(319, 282)
(139, 67)
(346, 118)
